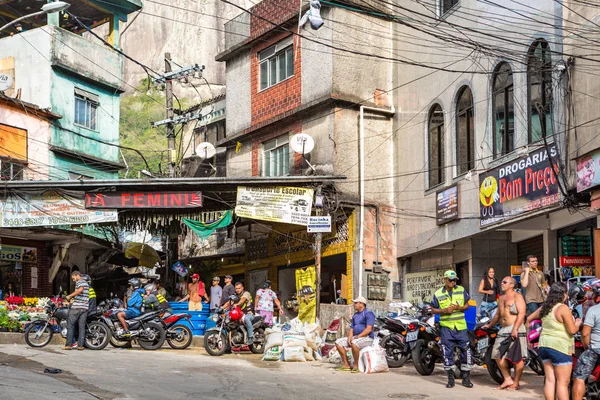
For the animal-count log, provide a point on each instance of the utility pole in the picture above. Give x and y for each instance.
(170, 115)
(318, 241)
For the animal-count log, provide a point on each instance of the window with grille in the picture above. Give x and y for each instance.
(465, 135)
(86, 109)
(539, 82)
(446, 5)
(11, 170)
(436, 146)
(276, 63)
(504, 111)
(276, 156)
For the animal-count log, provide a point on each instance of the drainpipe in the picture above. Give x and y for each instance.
(361, 231)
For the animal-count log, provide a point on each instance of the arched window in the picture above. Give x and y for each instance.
(436, 145)
(504, 111)
(465, 132)
(539, 84)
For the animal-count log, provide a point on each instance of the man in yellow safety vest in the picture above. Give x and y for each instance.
(451, 302)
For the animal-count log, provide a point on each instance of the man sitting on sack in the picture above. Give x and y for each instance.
(361, 334)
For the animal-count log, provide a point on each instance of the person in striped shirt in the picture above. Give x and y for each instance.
(78, 311)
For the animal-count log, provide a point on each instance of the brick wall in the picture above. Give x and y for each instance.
(290, 128)
(277, 11)
(281, 97)
(44, 257)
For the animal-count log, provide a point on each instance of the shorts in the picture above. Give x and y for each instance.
(555, 357)
(586, 364)
(195, 306)
(361, 343)
(503, 333)
(131, 313)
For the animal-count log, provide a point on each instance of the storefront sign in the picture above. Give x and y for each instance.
(319, 224)
(526, 184)
(18, 254)
(588, 171)
(516, 270)
(121, 200)
(49, 208)
(421, 284)
(576, 261)
(446, 209)
(291, 205)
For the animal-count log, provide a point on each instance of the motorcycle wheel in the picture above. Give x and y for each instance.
(119, 344)
(535, 363)
(258, 347)
(159, 337)
(215, 343)
(97, 336)
(423, 358)
(38, 334)
(492, 367)
(180, 337)
(395, 358)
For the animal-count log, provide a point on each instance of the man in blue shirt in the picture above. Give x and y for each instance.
(134, 304)
(361, 334)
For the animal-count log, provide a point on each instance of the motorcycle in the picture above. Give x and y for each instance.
(423, 337)
(179, 336)
(146, 329)
(40, 332)
(233, 334)
(392, 338)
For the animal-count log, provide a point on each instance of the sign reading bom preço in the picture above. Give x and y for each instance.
(526, 184)
(419, 284)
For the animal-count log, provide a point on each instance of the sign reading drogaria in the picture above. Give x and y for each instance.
(291, 205)
(168, 199)
(526, 184)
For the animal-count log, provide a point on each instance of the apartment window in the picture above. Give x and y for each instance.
(276, 63)
(504, 110)
(436, 145)
(10, 170)
(86, 109)
(445, 5)
(276, 157)
(465, 132)
(539, 83)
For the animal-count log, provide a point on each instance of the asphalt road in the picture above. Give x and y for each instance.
(191, 374)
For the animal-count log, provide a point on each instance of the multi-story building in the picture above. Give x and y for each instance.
(56, 67)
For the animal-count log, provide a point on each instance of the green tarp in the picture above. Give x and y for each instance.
(204, 230)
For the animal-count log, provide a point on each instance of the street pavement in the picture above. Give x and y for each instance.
(191, 374)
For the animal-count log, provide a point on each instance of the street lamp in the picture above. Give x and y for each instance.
(46, 8)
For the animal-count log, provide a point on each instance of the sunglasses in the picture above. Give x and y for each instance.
(453, 280)
(505, 282)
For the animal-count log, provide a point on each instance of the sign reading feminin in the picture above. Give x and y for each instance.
(526, 184)
(168, 199)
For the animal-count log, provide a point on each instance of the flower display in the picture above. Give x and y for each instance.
(42, 301)
(14, 300)
(30, 301)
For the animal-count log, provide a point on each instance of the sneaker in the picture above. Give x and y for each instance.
(80, 348)
(126, 334)
(67, 348)
(74, 345)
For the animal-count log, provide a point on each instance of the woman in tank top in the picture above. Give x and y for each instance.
(490, 289)
(556, 341)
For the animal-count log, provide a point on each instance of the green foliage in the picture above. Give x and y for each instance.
(6, 322)
(138, 111)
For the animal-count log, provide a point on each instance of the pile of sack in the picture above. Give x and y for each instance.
(293, 341)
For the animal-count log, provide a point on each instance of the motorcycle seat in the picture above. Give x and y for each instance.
(395, 322)
(144, 316)
(257, 318)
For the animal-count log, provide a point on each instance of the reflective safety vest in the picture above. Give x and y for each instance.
(456, 320)
(160, 297)
(92, 293)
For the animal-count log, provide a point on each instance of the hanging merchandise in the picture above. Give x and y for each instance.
(313, 15)
(180, 268)
(305, 286)
(204, 230)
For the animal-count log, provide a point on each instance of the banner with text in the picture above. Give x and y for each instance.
(419, 284)
(23, 209)
(166, 199)
(521, 186)
(289, 205)
(18, 254)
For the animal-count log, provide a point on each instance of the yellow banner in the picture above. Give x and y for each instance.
(306, 279)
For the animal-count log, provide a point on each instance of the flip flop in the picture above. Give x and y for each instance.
(345, 369)
(513, 388)
(354, 371)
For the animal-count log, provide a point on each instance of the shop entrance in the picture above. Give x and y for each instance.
(11, 278)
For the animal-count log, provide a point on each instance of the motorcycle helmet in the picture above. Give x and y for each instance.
(576, 294)
(535, 329)
(234, 298)
(236, 313)
(87, 278)
(135, 282)
(593, 285)
(150, 287)
(116, 303)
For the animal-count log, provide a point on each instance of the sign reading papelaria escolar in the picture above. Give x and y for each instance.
(291, 205)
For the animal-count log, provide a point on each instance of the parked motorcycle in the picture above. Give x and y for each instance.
(392, 338)
(146, 329)
(39, 333)
(232, 333)
(423, 337)
(179, 336)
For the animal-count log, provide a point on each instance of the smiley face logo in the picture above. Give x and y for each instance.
(488, 192)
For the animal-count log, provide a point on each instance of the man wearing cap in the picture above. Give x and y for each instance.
(195, 294)
(360, 335)
(215, 294)
(265, 301)
(451, 301)
(228, 289)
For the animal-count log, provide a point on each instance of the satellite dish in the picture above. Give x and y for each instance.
(302, 143)
(6, 82)
(206, 150)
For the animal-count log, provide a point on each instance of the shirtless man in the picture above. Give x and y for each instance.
(511, 314)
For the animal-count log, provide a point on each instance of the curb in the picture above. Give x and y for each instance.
(16, 338)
